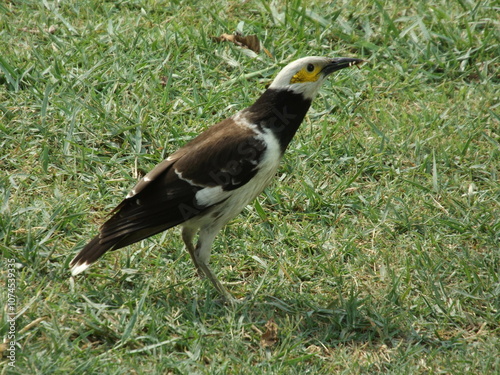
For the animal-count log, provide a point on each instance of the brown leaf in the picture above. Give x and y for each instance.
(270, 337)
(164, 80)
(250, 41)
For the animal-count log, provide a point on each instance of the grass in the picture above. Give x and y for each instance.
(376, 248)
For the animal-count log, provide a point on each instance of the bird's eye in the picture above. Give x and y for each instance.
(310, 68)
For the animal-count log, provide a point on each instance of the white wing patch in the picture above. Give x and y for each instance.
(211, 195)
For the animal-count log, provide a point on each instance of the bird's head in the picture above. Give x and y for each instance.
(305, 76)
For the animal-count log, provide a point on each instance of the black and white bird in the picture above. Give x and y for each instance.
(212, 178)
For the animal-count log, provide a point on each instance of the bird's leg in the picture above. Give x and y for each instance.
(187, 237)
(216, 283)
(200, 256)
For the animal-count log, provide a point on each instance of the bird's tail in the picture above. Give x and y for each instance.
(89, 254)
(110, 239)
(124, 229)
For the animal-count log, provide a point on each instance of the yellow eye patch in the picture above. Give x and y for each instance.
(309, 73)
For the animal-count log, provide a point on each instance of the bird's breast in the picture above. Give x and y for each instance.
(234, 201)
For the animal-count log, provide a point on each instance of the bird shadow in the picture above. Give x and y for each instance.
(349, 319)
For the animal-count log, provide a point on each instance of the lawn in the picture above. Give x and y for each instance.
(374, 251)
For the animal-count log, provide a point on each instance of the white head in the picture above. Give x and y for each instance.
(306, 75)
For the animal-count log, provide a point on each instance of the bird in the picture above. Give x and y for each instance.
(212, 178)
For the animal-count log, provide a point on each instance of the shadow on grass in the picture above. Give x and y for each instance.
(127, 313)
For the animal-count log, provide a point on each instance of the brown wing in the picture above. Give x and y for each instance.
(225, 155)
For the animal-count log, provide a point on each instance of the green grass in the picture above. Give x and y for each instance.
(376, 248)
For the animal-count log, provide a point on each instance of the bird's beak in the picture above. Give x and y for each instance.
(340, 63)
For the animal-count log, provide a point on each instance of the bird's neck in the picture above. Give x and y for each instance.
(280, 111)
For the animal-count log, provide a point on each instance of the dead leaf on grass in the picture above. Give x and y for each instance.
(270, 337)
(251, 42)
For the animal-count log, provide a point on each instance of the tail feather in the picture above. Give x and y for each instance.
(99, 245)
(89, 254)
(153, 209)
